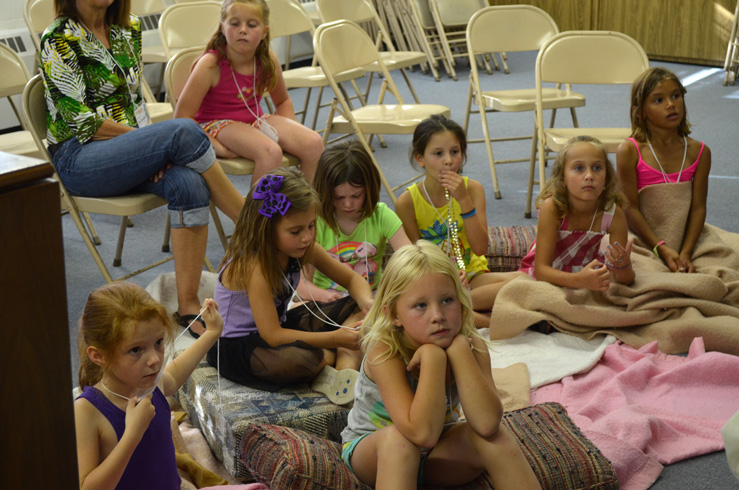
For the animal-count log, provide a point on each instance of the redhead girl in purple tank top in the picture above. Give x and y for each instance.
(659, 151)
(225, 88)
(122, 418)
(577, 206)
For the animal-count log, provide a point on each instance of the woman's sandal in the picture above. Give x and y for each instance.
(185, 320)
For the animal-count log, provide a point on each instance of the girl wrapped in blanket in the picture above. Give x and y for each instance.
(659, 151)
(577, 206)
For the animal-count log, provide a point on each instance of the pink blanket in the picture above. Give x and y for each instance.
(642, 407)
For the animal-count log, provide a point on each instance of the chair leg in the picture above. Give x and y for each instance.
(90, 244)
(410, 86)
(218, 225)
(489, 149)
(318, 107)
(167, 233)
(532, 163)
(574, 117)
(121, 239)
(93, 234)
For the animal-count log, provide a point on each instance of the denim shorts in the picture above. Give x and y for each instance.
(125, 164)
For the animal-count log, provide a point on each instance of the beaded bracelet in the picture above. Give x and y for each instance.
(656, 252)
(611, 266)
(469, 214)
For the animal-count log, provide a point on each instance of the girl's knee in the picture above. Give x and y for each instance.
(394, 442)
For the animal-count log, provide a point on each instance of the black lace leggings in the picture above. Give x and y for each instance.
(250, 361)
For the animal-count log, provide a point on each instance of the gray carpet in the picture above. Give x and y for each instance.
(713, 110)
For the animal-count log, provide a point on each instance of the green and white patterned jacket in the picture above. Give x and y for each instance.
(86, 83)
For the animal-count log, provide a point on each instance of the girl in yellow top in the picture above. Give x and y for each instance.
(449, 210)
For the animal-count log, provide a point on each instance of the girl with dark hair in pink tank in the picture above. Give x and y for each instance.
(660, 151)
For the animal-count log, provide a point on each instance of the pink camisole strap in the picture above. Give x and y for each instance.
(646, 175)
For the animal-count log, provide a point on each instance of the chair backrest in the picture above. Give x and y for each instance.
(422, 13)
(287, 18)
(343, 45)
(509, 28)
(357, 11)
(147, 7)
(354, 10)
(178, 70)
(34, 112)
(186, 25)
(591, 57)
(38, 14)
(457, 13)
(14, 72)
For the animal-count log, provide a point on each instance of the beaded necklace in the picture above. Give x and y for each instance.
(452, 232)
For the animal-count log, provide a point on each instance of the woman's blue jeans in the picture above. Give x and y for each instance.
(126, 163)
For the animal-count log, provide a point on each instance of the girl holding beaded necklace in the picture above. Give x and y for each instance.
(657, 153)
(449, 210)
(225, 88)
(264, 345)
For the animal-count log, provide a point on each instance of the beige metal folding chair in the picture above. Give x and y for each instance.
(188, 25)
(582, 57)
(287, 18)
(361, 11)
(450, 18)
(34, 110)
(151, 54)
(510, 28)
(175, 76)
(14, 78)
(342, 46)
(37, 14)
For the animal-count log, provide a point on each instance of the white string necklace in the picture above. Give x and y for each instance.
(452, 232)
(102, 383)
(664, 174)
(242, 96)
(260, 120)
(325, 318)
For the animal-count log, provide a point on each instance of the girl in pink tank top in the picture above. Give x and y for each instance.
(660, 152)
(577, 206)
(224, 91)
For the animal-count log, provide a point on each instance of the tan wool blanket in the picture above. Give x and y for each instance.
(671, 308)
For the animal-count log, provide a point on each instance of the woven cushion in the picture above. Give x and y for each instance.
(508, 245)
(224, 426)
(561, 456)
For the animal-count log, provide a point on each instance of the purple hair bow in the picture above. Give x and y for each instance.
(274, 201)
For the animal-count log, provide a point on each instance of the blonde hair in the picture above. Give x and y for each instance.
(344, 162)
(555, 184)
(640, 90)
(253, 241)
(110, 314)
(406, 266)
(267, 79)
